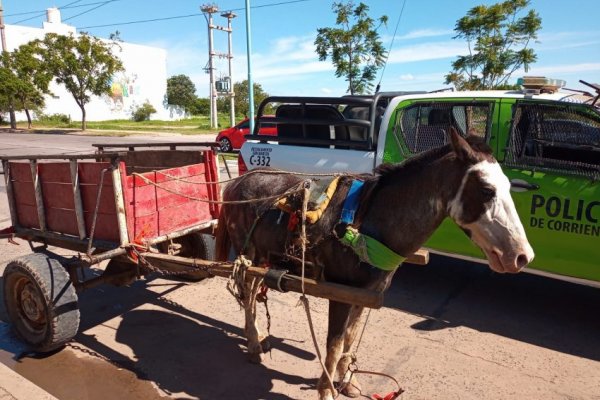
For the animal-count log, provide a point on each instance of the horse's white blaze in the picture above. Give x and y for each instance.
(498, 231)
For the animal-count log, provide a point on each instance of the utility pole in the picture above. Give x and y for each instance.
(13, 118)
(2, 28)
(249, 57)
(210, 9)
(230, 15)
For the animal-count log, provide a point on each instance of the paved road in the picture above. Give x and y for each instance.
(451, 330)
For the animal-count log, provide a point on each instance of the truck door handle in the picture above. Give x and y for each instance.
(521, 184)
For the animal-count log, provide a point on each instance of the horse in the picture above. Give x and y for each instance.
(400, 206)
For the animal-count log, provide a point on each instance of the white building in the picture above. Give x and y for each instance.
(144, 77)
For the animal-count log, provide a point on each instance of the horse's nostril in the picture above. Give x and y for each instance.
(522, 261)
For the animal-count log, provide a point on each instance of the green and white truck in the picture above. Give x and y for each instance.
(546, 138)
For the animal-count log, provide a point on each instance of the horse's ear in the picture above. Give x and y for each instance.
(461, 147)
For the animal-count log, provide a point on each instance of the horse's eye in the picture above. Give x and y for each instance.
(488, 193)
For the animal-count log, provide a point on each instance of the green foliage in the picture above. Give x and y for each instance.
(241, 100)
(354, 45)
(84, 64)
(498, 45)
(181, 91)
(25, 80)
(200, 106)
(143, 112)
(54, 119)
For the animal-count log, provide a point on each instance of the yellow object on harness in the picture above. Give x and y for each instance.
(319, 206)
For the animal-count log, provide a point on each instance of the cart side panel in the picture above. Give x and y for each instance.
(24, 195)
(90, 176)
(212, 176)
(169, 206)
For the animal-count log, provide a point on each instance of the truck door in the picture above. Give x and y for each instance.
(553, 162)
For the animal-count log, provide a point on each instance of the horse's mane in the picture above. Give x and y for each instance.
(419, 161)
(386, 173)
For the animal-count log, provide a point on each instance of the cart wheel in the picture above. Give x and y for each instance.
(41, 301)
(194, 245)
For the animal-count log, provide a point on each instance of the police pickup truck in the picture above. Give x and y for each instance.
(546, 138)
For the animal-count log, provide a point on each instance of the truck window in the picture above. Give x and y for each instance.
(423, 126)
(564, 137)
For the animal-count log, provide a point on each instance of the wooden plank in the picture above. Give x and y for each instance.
(55, 172)
(39, 197)
(6, 167)
(327, 290)
(117, 173)
(77, 199)
(62, 156)
(419, 257)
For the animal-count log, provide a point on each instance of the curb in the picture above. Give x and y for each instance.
(14, 387)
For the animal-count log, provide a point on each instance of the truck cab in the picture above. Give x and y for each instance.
(547, 140)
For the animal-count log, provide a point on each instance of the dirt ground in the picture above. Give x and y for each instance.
(451, 330)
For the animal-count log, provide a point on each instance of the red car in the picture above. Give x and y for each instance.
(232, 138)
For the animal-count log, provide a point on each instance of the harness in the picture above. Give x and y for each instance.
(368, 249)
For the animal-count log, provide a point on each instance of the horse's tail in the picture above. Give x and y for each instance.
(223, 241)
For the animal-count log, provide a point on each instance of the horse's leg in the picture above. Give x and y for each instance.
(338, 319)
(350, 385)
(251, 330)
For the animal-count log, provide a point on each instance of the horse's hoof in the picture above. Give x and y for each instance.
(255, 358)
(352, 390)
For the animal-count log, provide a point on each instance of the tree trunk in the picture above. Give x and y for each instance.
(13, 117)
(83, 123)
(28, 118)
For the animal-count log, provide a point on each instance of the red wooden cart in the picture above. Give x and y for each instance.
(106, 206)
(141, 210)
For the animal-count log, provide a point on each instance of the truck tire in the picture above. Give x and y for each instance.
(194, 245)
(41, 301)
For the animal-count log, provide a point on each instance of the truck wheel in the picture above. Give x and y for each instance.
(41, 301)
(225, 145)
(194, 245)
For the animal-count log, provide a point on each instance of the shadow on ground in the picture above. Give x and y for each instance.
(542, 311)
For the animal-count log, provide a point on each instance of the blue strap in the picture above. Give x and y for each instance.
(351, 202)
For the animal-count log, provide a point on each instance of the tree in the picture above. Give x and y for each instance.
(143, 112)
(498, 45)
(241, 100)
(200, 106)
(8, 91)
(181, 91)
(354, 46)
(84, 64)
(34, 78)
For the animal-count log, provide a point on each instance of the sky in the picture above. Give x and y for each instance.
(283, 54)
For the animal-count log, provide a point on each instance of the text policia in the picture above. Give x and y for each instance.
(578, 216)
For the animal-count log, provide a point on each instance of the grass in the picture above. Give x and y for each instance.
(123, 127)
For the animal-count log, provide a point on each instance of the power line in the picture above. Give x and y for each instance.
(44, 12)
(90, 10)
(391, 45)
(141, 21)
(62, 8)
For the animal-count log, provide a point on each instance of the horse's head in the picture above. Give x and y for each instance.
(484, 209)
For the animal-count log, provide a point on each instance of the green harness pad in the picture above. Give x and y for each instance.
(371, 251)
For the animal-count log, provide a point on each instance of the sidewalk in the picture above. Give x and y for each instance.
(14, 387)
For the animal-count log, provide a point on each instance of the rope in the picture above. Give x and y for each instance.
(273, 197)
(254, 171)
(303, 298)
(237, 279)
